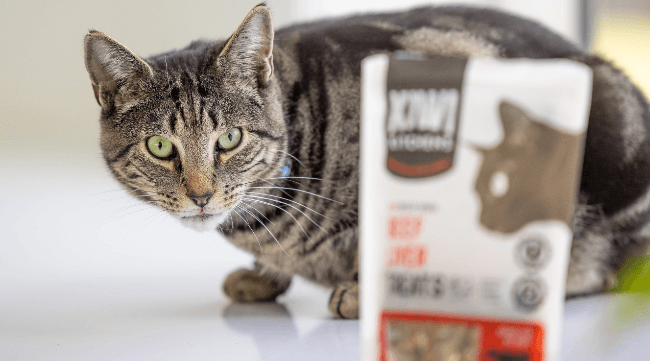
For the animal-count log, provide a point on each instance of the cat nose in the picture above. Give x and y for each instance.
(201, 200)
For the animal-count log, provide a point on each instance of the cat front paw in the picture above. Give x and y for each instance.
(246, 285)
(344, 302)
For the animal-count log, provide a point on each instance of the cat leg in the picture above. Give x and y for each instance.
(602, 244)
(344, 301)
(258, 285)
(590, 270)
(596, 259)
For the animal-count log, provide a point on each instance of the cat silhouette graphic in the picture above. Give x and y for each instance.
(530, 176)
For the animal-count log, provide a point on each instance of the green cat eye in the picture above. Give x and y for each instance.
(160, 147)
(229, 139)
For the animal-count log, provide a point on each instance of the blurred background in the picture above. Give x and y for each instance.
(84, 269)
(48, 112)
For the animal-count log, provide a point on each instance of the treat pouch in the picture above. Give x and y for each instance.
(469, 174)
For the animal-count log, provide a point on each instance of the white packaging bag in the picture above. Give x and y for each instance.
(469, 174)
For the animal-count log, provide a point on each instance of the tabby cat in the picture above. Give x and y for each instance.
(258, 136)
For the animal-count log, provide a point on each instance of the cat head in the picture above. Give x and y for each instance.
(190, 130)
(530, 176)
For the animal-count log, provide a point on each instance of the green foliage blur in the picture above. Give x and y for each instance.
(634, 282)
(634, 277)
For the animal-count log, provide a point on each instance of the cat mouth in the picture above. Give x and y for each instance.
(200, 217)
(203, 221)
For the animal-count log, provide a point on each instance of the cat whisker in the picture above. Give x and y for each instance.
(125, 191)
(267, 229)
(255, 181)
(149, 220)
(258, 211)
(287, 212)
(124, 208)
(263, 196)
(295, 182)
(289, 179)
(282, 178)
(302, 191)
(109, 191)
(273, 185)
(224, 225)
(93, 205)
(142, 194)
(169, 83)
(110, 200)
(293, 179)
(249, 227)
(309, 178)
(113, 219)
(290, 155)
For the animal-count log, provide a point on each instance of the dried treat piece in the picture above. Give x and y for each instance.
(418, 341)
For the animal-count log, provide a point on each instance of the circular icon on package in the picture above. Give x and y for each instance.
(528, 293)
(533, 252)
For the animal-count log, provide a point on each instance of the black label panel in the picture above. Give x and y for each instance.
(424, 98)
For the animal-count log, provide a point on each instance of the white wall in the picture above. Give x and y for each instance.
(560, 15)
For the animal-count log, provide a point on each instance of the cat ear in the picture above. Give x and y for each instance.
(249, 51)
(515, 123)
(111, 66)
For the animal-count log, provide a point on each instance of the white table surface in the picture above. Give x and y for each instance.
(88, 273)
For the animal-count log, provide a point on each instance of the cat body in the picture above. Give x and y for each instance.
(258, 136)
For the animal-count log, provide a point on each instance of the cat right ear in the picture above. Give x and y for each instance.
(112, 67)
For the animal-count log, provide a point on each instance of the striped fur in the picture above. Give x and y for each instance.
(294, 94)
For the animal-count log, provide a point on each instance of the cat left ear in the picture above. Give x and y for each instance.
(249, 51)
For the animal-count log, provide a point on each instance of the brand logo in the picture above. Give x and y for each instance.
(422, 122)
(422, 125)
